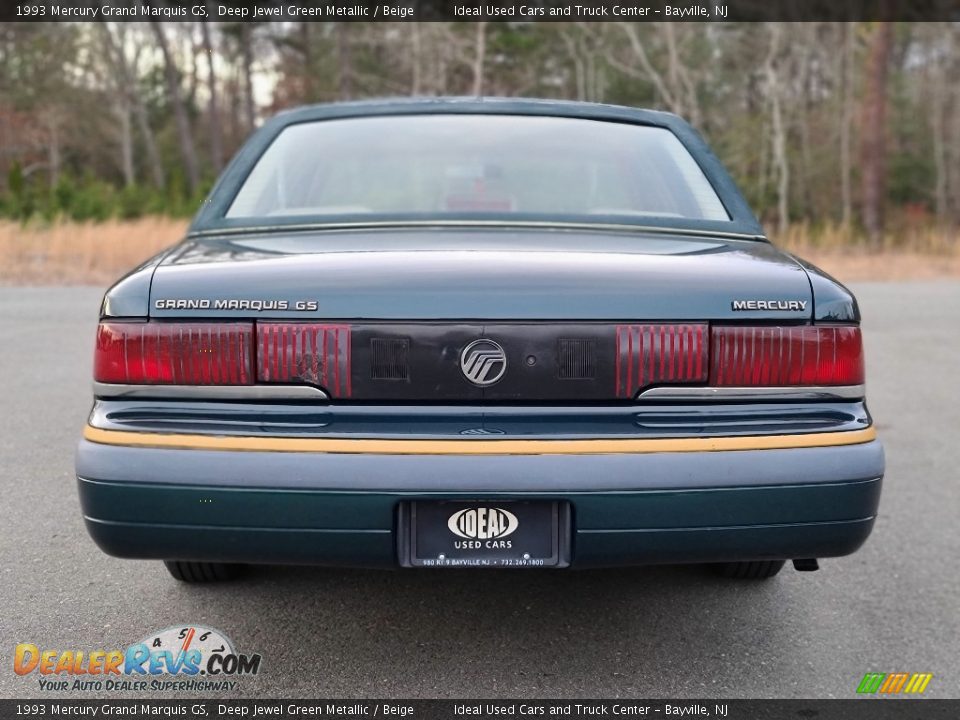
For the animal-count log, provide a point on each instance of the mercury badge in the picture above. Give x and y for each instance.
(483, 362)
(796, 305)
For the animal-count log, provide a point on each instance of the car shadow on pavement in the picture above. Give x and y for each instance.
(463, 633)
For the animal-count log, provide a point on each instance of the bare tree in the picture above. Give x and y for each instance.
(674, 84)
(126, 86)
(778, 133)
(52, 121)
(246, 53)
(847, 90)
(416, 54)
(213, 107)
(479, 58)
(344, 62)
(306, 48)
(940, 95)
(573, 36)
(953, 167)
(873, 132)
(184, 133)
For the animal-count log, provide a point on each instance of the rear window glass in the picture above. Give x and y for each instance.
(489, 165)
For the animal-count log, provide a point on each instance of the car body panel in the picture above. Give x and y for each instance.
(477, 474)
(129, 297)
(343, 510)
(507, 274)
(833, 302)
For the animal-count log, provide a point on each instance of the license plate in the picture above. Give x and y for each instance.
(488, 534)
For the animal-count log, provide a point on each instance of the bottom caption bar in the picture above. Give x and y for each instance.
(868, 709)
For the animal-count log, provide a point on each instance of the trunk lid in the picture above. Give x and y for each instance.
(504, 274)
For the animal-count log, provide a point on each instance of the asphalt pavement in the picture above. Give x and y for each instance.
(664, 632)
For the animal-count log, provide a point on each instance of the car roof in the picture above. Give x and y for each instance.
(477, 105)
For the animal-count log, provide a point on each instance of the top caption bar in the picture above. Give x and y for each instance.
(473, 10)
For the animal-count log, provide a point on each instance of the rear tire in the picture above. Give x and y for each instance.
(201, 572)
(751, 569)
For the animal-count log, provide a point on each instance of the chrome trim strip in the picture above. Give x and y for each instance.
(825, 392)
(211, 392)
(307, 392)
(400, 224)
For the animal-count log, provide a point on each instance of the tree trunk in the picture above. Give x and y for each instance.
(192, 79)
(873, 133)
(415, 54)
(53, 148)
(246, 49)
(573, 51)
(306, 41)
(648, 71)
(184, 134)
(479, 58)
(938, 132)
(344, 62)
(442, 42)
(150, 143)
(778, 133)
(213, 107)
(126, 144)
(942, 92)
(128, 87)
(953, 167)
(846, 122)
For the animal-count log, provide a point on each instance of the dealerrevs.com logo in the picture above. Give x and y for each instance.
(188, 657)
(894, 683)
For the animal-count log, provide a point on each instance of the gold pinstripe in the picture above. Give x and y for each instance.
(484, 446)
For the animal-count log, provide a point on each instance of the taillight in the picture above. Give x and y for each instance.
(312, 353)
(785, 356)
(152, 353)
(659, 354)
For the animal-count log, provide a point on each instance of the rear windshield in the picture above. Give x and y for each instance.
(476, 165)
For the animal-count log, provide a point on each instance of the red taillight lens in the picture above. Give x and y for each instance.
(782, 356)
(660, 354)
(312, 353)
(153, 353)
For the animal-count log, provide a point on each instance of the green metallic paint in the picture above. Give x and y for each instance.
(257, 525)
(337, 510)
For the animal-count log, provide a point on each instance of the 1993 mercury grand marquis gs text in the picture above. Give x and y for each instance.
(478, 333)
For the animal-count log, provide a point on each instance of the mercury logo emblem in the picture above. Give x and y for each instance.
(483, 523)
(483, 362)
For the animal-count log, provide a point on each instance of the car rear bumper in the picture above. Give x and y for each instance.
(343, 508)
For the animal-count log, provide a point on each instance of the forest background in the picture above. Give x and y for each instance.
(845, 137)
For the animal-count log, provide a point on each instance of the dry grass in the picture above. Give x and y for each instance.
(908, 253)
(77, 253)
(80, 253)
(886, 265)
